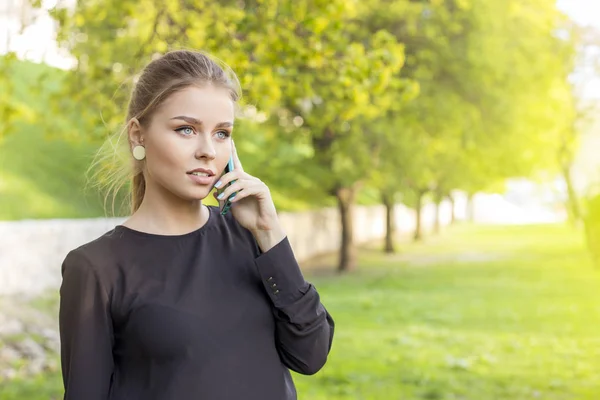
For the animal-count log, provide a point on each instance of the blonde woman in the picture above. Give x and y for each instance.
(180, 301)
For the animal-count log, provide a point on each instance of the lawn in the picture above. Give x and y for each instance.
(476, 313)
(45, 178)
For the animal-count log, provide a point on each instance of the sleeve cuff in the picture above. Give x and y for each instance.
(281, 275)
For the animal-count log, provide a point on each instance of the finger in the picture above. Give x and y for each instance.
(228, 177)
(244, 188)
(235, 187)
(236, 160)
(248, 191)
(232, 176)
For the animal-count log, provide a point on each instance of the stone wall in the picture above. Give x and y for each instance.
(32, 251)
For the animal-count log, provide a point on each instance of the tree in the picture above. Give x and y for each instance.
(478, 115)
(335, 78)
(309, 66)
(339, 80)
(577, 53)
(12, 110)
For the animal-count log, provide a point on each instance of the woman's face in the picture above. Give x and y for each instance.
(188, 142)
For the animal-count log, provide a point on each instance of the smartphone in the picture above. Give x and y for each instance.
(227, 203)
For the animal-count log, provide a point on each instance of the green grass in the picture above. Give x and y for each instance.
(436, 323)
(42, 178)
(42, 387)
(478, 313)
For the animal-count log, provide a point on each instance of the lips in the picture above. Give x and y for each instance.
(201, 180)
(201, 176)
(201, 172)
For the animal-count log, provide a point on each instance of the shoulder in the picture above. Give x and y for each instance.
(93, 256)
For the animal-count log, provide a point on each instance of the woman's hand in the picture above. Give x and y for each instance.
(252, 205)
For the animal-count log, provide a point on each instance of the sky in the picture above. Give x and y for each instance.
(585, 12)
(37, 42)
(586, 168)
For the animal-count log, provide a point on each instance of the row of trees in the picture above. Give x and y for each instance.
(406, 100)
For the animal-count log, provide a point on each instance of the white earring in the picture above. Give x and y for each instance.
(139, 152)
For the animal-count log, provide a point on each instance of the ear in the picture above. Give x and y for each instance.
(134, 132)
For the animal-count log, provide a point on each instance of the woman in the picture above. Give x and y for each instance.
(182, 302)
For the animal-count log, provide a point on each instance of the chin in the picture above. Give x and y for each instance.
(201, 193)
(197, 195)
(194, 194)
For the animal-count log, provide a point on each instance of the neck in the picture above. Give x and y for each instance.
(163, 213)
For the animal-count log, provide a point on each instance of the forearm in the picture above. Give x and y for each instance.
(304, 327)
(267, 239)
(304, 334)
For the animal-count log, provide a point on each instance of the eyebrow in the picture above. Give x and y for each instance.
(195, 121)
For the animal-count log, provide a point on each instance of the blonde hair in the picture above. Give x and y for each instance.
(113, 164)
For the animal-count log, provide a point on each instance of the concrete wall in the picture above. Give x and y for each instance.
(32, 251)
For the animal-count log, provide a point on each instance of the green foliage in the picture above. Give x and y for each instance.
(478, 118)
(42, 169)
(407, 97)
(12, 108)
(282, 162)
(456, 77)
(310, 67)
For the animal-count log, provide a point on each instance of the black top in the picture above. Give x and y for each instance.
(202, 316)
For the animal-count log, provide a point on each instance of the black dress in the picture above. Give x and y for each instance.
(202, 316)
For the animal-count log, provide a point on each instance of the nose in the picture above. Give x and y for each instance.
(205, 147)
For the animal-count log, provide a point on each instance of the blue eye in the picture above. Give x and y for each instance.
(186, 130)
(223, 134)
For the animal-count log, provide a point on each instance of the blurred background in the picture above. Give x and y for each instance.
(435, 162)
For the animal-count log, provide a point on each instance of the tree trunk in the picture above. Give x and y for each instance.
(471, 207)
(418, 229)
(573, 202)
(438, 197)
(345, 197)
(390, 228)
(452, 211)
(436, 224)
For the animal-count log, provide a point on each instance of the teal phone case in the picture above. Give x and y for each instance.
(227, 204)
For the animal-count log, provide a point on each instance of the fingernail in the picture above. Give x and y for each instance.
(232, 197)
(220, 196)
(219, 183)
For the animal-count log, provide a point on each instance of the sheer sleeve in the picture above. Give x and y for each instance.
(85, 331)
(304, 327)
